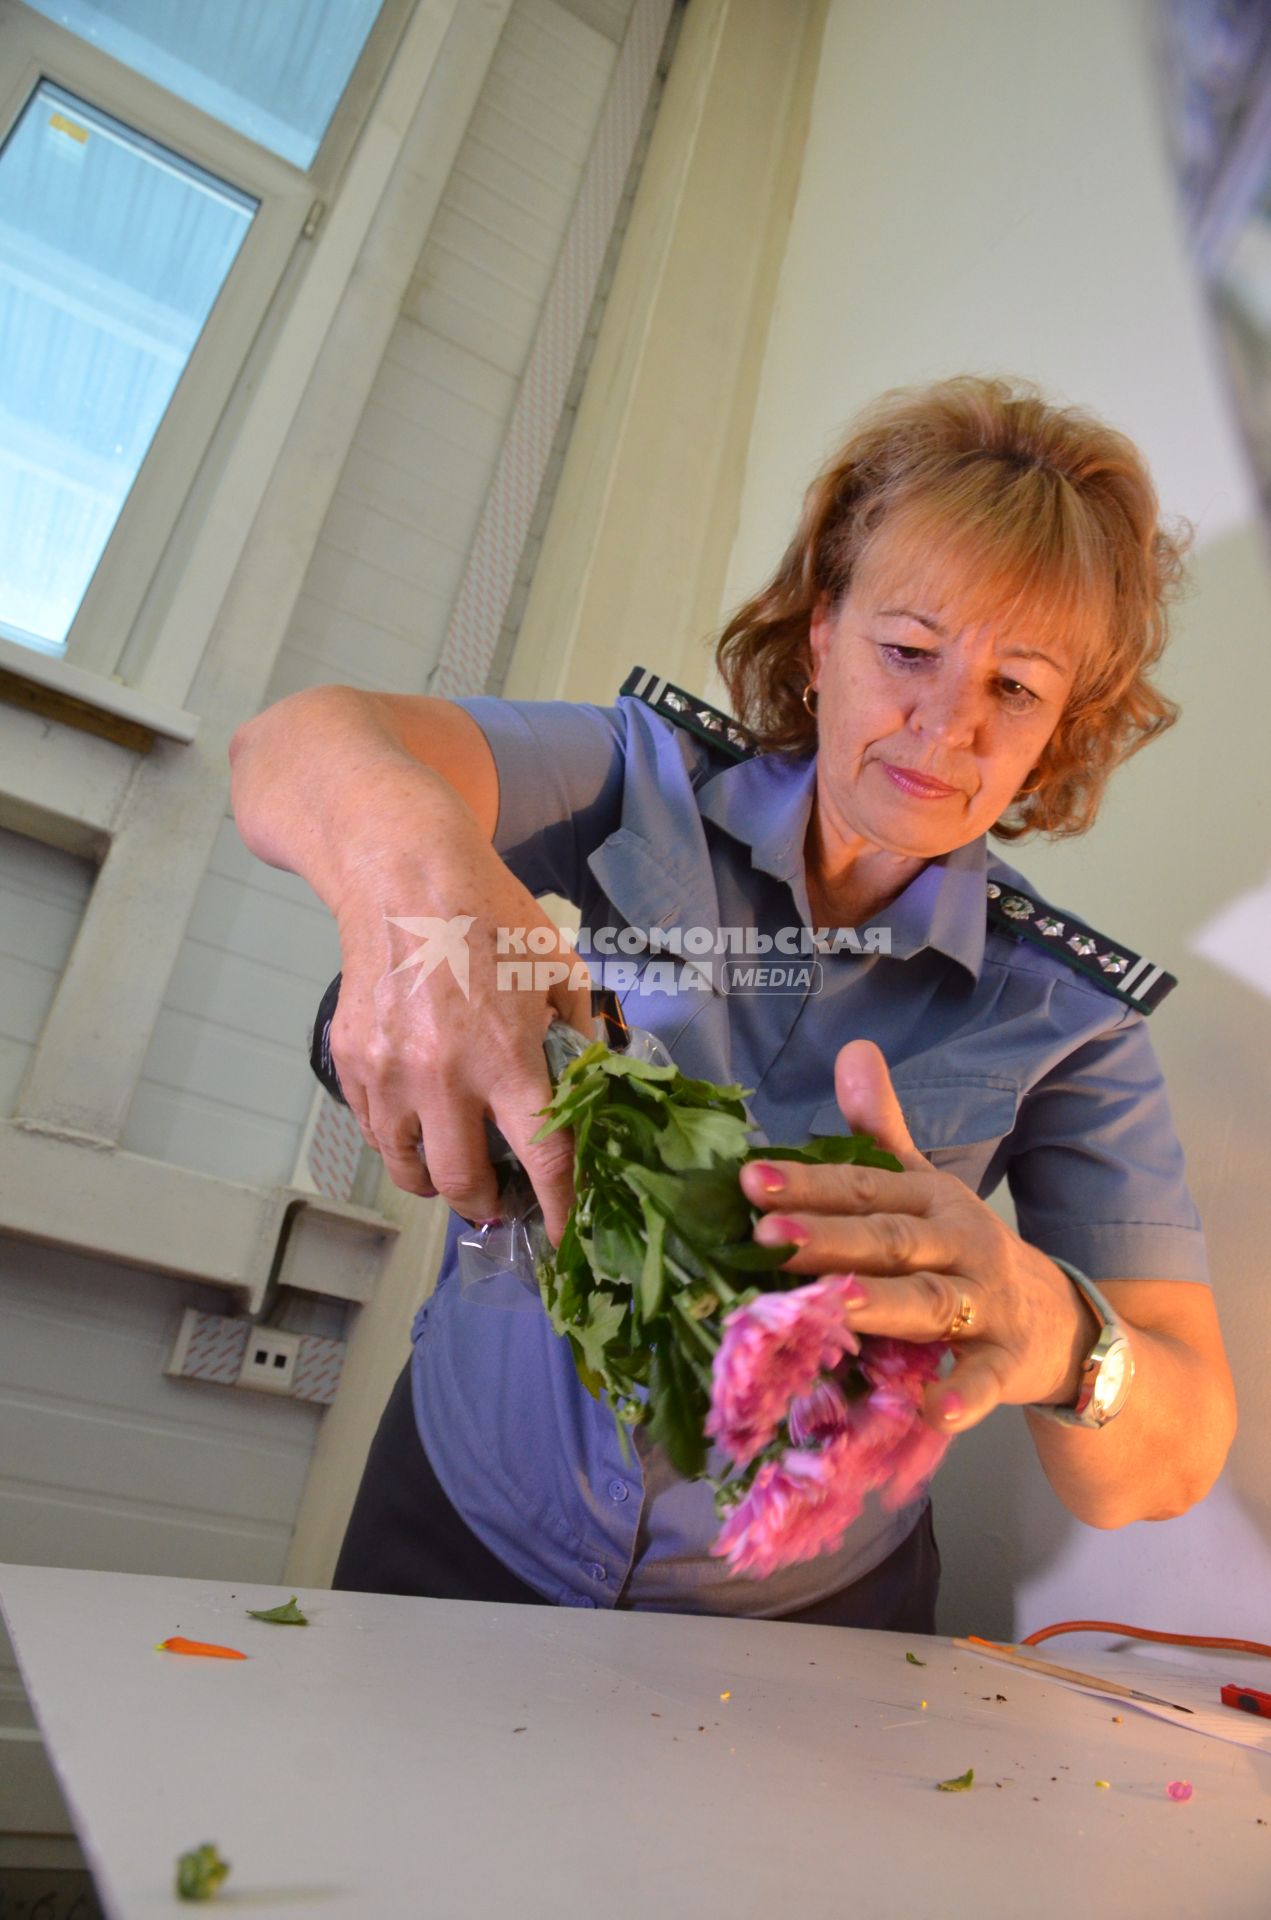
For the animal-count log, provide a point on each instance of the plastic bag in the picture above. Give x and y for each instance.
(498, 1260)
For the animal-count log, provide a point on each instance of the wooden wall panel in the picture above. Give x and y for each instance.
(43, 893)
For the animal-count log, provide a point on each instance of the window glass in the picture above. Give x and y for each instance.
(112, 252)
(272, 69)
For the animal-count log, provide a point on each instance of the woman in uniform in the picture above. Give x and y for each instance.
(958, 643)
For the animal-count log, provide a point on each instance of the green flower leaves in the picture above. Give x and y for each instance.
(658, 1249)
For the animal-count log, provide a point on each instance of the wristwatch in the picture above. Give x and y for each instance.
(1107, 1370)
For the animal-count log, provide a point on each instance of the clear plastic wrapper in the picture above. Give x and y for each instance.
(498, 1259)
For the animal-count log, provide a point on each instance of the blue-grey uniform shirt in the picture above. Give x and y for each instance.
(1005, 1061)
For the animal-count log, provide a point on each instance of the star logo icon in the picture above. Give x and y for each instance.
(442, 940)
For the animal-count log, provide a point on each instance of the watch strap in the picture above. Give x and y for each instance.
(1109, 1328)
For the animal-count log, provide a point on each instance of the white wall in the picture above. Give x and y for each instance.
(985, 188)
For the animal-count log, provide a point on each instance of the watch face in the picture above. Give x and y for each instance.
(1114, 1377)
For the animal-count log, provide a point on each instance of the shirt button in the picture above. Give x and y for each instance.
(618, 1489)
(594, 1570)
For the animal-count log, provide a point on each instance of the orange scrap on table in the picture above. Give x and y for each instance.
(177, 1645)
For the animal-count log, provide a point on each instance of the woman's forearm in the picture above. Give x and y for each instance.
(323, 786)
(1163, 1451)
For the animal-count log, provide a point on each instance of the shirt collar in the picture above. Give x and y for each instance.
(765, 803)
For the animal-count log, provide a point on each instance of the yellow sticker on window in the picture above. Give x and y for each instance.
(61, 124)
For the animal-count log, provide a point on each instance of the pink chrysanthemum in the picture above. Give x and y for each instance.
(899, 1370)
(907, 1364)
(802, 1504)
(897, 1452)
(797, 1507)
(772, 1351)
(817, 1416)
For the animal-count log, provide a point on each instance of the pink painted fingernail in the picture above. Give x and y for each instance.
(952, 1406)
(769, 1177)
(777, 1230)
(854, 1294)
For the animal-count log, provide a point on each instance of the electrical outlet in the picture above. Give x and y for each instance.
(269, 1360)
(223, 1348)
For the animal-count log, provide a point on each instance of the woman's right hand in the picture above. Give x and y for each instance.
(420, 1059)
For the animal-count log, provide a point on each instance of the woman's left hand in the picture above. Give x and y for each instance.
(924, 1248)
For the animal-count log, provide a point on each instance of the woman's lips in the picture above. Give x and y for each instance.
(920, 785)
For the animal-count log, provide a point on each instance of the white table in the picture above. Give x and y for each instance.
(411, 1757)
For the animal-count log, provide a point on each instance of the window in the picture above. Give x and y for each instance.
(152, 194)
(112, 251)
(274, 72)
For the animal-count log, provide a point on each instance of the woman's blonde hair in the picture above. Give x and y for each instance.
(1047, 518)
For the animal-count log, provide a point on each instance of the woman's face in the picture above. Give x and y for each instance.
(927, 729)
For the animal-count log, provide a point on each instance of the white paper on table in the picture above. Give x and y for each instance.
(1193, 1677)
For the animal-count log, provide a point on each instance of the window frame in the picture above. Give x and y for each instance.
(118, 625)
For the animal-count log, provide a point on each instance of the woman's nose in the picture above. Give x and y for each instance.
(952, 713)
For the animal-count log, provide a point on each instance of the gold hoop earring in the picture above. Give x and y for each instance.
(810, 700)
(1025, 791)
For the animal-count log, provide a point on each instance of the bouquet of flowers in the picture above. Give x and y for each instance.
(683, 1323)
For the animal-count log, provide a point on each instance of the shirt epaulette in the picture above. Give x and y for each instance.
(688, 711)
(1108, 964)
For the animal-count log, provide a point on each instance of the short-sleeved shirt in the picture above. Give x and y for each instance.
(1006, 1062)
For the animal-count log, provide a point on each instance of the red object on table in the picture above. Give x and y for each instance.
(206, 1647)
(1248, 1699)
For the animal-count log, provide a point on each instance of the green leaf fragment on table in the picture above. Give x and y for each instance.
(914, 1661)
(200, 1872)
(961, 1783)
(288, 1615)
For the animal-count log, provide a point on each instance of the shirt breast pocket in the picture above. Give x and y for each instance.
(632, 950)
(958, 1122)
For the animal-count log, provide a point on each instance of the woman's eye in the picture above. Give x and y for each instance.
(906, 656)
(1016, 696)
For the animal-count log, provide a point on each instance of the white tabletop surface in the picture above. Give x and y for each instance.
(404, 1757)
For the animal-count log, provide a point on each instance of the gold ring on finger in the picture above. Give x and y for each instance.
(962, 1319)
